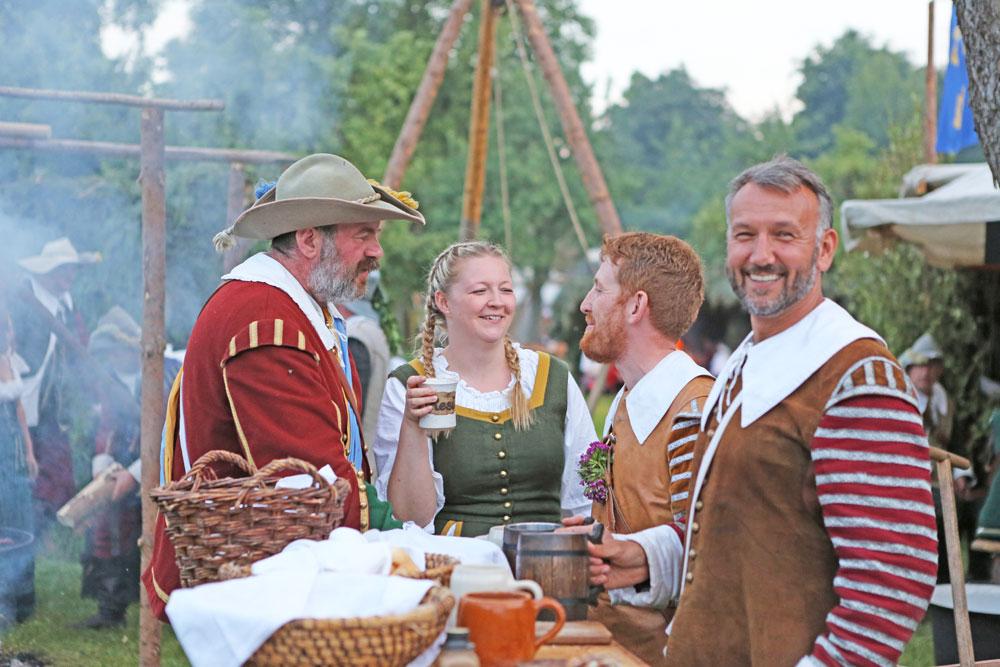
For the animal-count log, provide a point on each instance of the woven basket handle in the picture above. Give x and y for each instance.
(282, 465)
(259, 478)
(202, 468)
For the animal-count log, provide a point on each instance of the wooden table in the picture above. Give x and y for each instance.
(614, 652)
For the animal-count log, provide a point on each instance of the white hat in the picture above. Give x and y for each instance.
(923, 351)
(57, 253)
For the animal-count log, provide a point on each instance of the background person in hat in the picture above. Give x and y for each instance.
(111, 554)
(924, 365)
(267, 373)
(46, 296)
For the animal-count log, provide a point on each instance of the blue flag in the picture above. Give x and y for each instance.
(955, 128)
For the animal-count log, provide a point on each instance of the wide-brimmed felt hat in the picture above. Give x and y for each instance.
(115, 330)
(55, 254)
(318, 190)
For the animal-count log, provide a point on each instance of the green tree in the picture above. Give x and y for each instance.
(302, 77)
(899, 295)
(93, 201)
(855, 84)
(672, 146)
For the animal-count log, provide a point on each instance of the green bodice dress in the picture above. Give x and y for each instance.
(494, 474)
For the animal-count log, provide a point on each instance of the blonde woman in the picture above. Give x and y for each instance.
(522, 421)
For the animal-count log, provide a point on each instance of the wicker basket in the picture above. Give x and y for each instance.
(374, 641)
(214, 521)
(439, 568)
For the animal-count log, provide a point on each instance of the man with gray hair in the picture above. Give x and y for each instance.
(810, 537)
(268, 372)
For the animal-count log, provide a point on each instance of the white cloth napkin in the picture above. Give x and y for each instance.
(468, 550)
(304, 481)
(346, 550)
(222, 624)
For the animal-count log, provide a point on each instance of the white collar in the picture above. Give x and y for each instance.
(655, 392)
(52, 303)
(262, 268)
(777, 366)
(938, 400)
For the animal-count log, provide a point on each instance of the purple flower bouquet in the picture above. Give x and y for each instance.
(593, 470)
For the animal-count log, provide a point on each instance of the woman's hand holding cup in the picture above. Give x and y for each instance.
(420, 399)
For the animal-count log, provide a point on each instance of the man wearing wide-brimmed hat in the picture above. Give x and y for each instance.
(46, 296)
(267, 372)
(111, 555)
(924, 365)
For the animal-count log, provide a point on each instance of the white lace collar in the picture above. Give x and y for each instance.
(52, 302)
(777, 366)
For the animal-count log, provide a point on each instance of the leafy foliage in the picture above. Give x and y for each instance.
(854, 84)
(675, 144)
(899, 295)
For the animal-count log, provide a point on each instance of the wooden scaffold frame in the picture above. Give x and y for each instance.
(152, 153)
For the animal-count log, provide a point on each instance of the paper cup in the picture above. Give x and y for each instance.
(442, 417)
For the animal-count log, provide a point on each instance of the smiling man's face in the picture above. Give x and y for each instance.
(773, 251)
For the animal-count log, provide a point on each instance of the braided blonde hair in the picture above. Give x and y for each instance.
(440, 279)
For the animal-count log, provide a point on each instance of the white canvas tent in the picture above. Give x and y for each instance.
(956, 223)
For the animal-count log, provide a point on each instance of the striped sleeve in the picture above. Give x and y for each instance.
(680, 453)
(872, 468)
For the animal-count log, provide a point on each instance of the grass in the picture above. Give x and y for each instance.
(920, 651)
(48, 636)
(600, 411)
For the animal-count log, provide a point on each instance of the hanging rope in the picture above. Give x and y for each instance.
(502, 155)
(540, 115)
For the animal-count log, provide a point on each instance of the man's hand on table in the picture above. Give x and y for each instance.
(614, 563)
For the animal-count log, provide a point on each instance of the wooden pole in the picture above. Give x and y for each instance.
(930, 93)
(956, 570)
(235, 198)
(154, 260)
(420, 107)
(938, 454)
(172, 153)
(25, 130)
(590, 171)
(112, 98)
(479, 128)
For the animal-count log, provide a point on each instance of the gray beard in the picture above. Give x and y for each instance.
(802, 285)
(327, 281)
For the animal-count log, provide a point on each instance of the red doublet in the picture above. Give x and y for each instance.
(257, 381)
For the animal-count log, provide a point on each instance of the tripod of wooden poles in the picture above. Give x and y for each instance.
(475, 174)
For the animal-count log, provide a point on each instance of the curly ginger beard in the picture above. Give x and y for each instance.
(330, 281)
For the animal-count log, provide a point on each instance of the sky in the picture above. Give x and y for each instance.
(750, 49)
